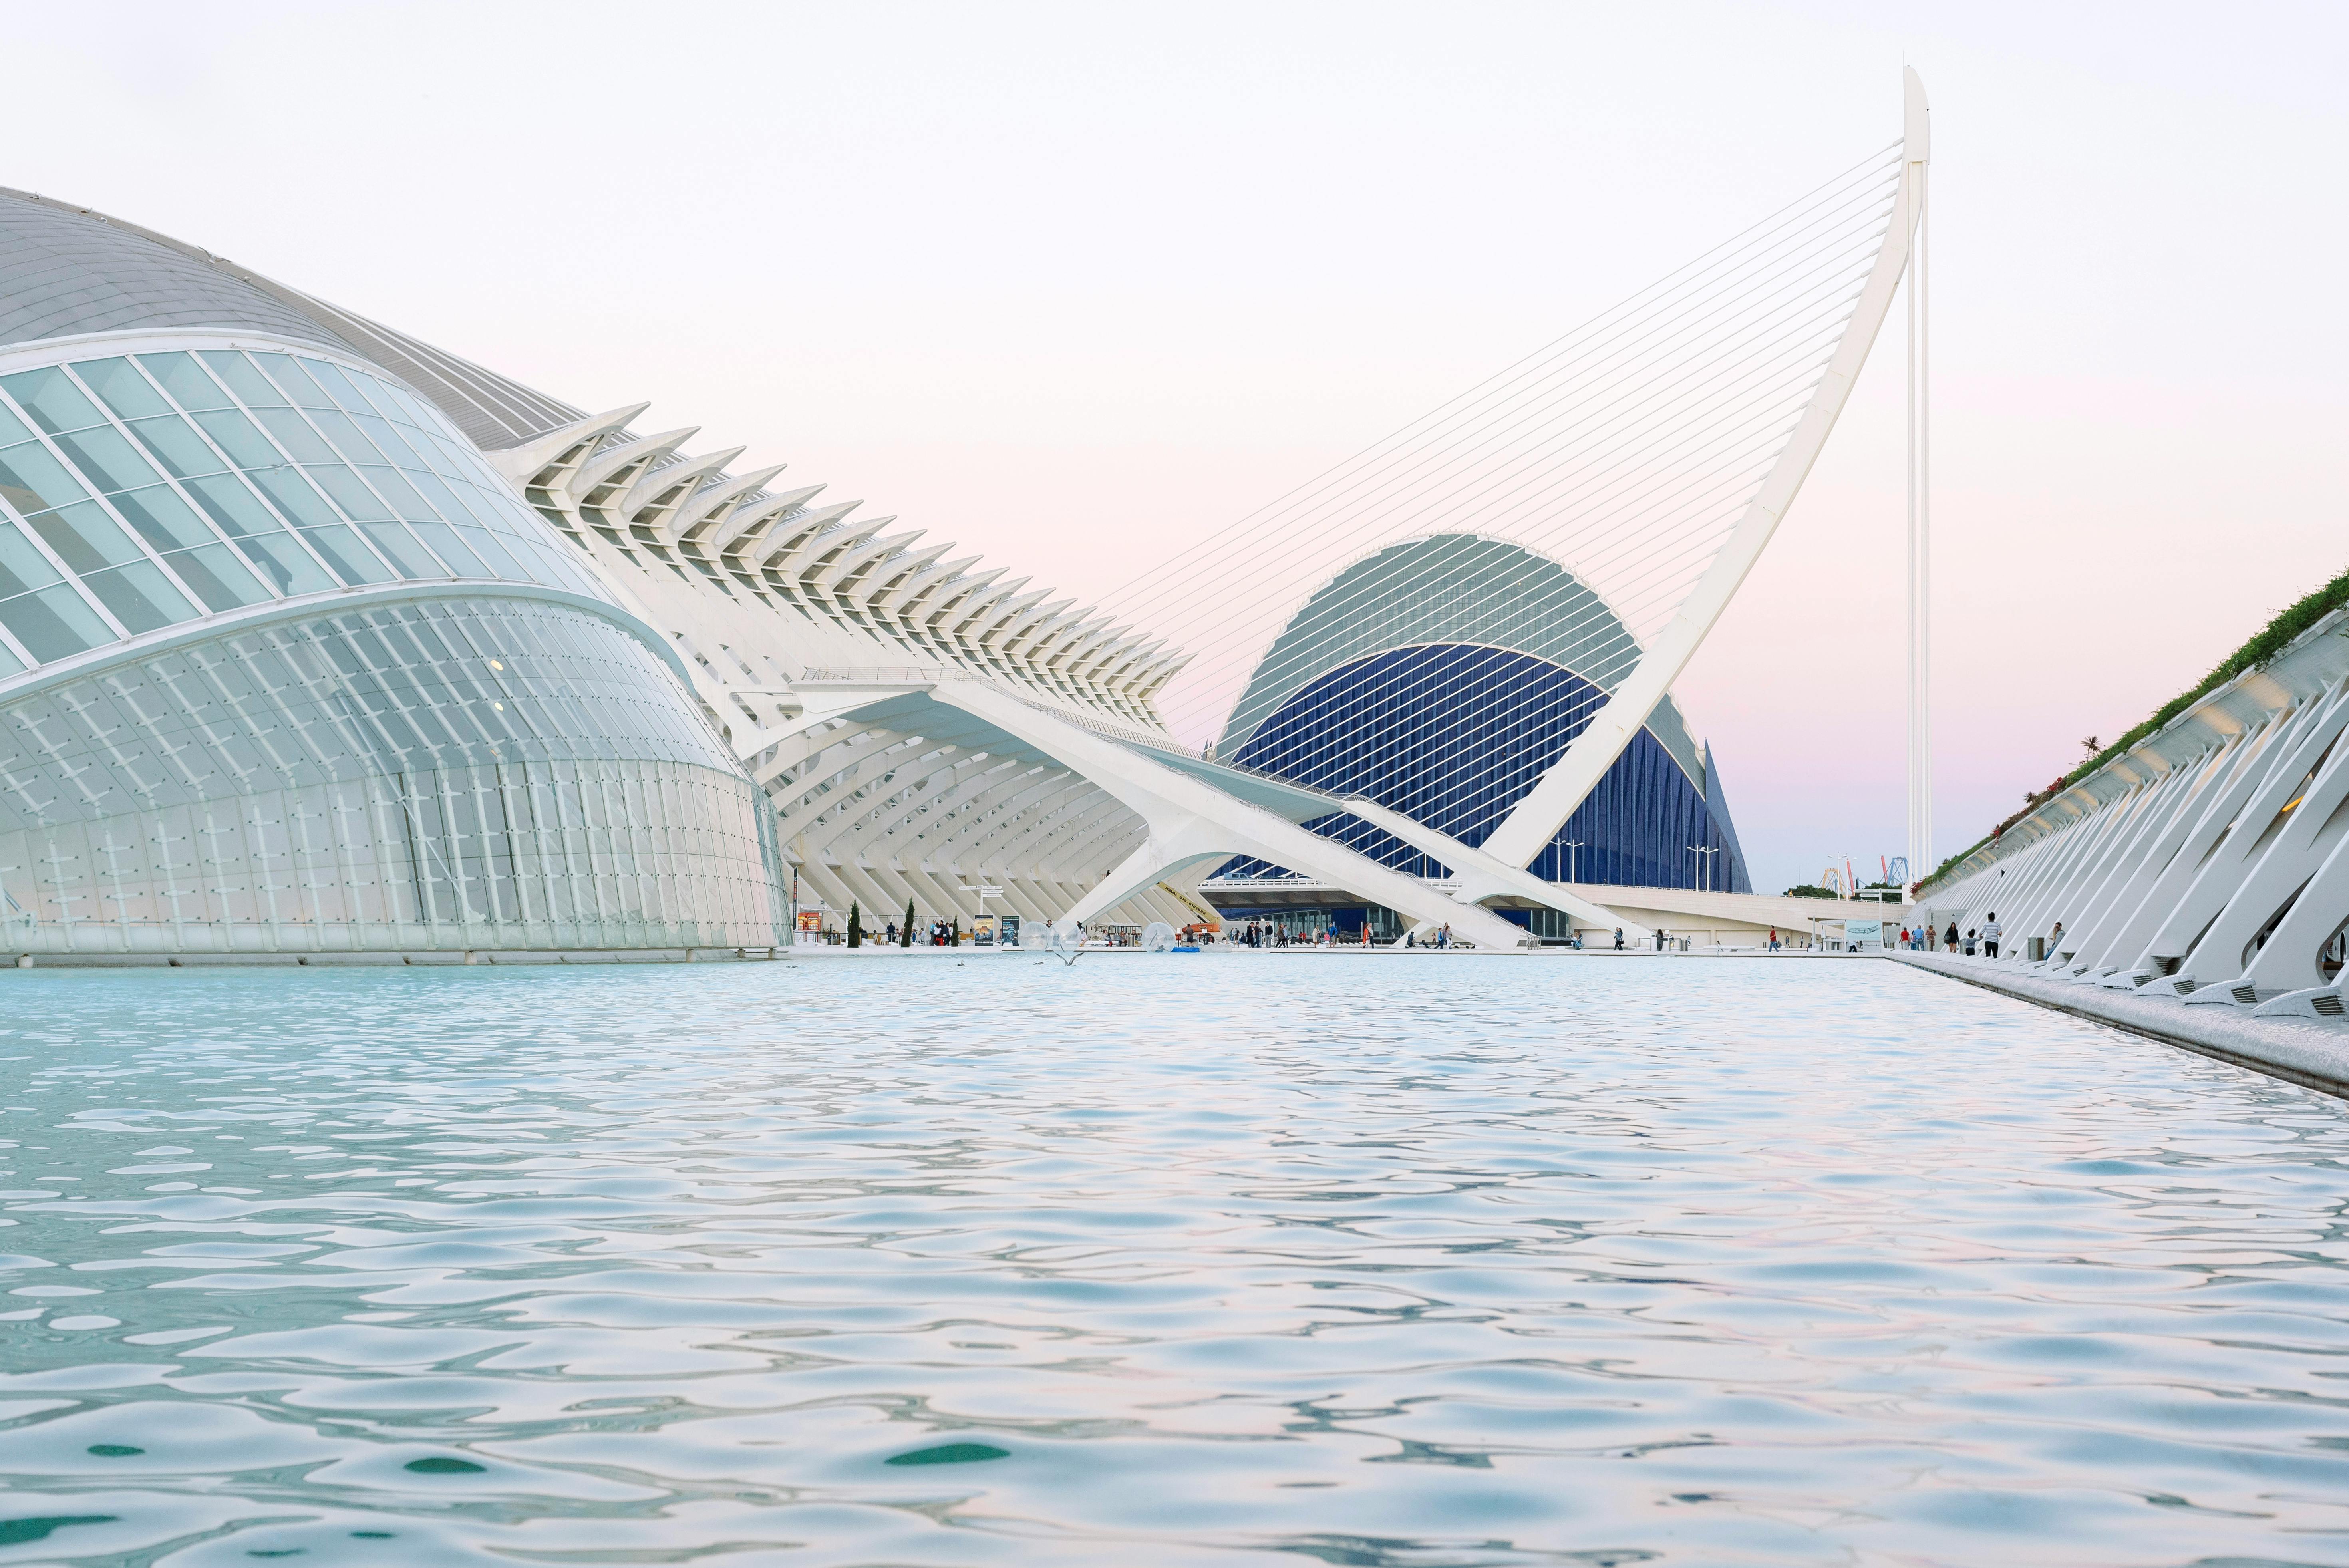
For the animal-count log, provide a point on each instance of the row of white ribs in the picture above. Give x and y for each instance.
(644, 497)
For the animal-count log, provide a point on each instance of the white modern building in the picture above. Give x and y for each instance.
(315, 640)
(286, 667)
(2208, 865)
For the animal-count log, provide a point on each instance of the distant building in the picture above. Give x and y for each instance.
(316, 640)
(1439, 677)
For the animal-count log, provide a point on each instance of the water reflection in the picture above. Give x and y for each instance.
(1380, 1260)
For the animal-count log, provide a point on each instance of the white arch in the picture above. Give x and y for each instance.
(1546, 807)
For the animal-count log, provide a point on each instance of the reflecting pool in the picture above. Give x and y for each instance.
(1371, 1259)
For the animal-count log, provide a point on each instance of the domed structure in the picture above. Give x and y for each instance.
(1440, 677)
(286, 667)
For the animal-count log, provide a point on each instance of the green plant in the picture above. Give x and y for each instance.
(1809, 890)
(906, 933)
(855, 925)
(2265, 644)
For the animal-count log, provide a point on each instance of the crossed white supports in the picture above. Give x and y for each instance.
(1087, 812)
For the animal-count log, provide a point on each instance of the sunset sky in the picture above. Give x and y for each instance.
(1072, 283)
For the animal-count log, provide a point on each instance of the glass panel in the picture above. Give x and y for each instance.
(443, 501)
(343, 551)
(345, 435)
(285, 564)
(237, 436)
(54, 622)
(220, 580)
(49, 395)
(237, 372)
(141, 596)
(22, 567)
(163, 519)
(387, 440)
(237, 511)
(107, 460)
(400, 547)
(84, 537)
(123, 389)
(287, 374)
(463, 464)
(13, 430)
(450, 549)
(396, 489)
(485, 544)
(338, 385)
(294, 497)
(32, 481)
(177, 447)
(293, 434)
(354, 498)
(395, 404)
(9, 663)
(185, 380)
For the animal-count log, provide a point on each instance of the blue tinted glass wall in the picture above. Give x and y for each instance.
(1454, 735)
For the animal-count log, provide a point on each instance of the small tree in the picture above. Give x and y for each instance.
(955, 937)
(855, 925)
(906, 933)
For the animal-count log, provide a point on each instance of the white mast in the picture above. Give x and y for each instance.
(1537, 818)
(1920, 553)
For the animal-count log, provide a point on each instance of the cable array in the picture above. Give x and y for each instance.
(1626, 451)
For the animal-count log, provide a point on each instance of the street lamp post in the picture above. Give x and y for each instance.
(1573, 861)
(1701, 852)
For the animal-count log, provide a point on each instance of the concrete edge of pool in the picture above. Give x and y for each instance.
(2313, 1055)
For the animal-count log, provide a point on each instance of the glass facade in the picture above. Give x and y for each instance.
(1454, 735)
(475, 772)
(141, 490)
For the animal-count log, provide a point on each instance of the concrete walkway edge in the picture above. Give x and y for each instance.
(2313, 1056)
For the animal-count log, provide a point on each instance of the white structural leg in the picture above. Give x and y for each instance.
(2210, 864)
(1481, 878)
(1537, 819)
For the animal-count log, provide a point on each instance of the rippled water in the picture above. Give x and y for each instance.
(1362, 1259)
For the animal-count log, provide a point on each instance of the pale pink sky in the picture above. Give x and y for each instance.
(1068, 284)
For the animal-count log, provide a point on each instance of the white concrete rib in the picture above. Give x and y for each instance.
(2209, 865)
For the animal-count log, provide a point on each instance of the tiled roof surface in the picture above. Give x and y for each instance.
(66, 270)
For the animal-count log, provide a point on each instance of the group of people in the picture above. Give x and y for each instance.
(1272, 934)
(942, 933)
(1984, 937)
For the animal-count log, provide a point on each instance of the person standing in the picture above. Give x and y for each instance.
(1950, 939)
(1990, 935)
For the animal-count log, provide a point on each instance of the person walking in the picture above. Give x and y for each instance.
(1990, 935)
(1950, 939)
(1619, 939)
